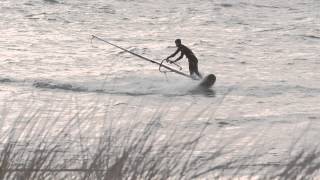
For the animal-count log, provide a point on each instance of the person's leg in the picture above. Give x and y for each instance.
(196, 70)
(191, 67)
(193, 64)
(191, 70)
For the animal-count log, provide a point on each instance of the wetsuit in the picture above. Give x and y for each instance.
(193, 61)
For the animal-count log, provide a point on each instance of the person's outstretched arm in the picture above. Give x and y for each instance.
(174, 54)
(180, 57)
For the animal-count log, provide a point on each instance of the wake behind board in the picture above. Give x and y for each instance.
(208, 81)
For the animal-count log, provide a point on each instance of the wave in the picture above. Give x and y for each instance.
(130, 87)
(262, 5)
(107, 9)
(276, 90)
(51, 1)
(226, 5)
(6, 80)
(51, 85)
(311, 37)
(77, 88)
(137, 86)
(169, 89)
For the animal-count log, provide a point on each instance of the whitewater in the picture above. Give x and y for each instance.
(265, 55)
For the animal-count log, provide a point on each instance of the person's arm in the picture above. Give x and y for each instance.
(180, 57)
(174, 54)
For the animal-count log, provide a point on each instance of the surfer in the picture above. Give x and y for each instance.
(193, 61)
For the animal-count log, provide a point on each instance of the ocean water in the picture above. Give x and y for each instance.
(265, 55)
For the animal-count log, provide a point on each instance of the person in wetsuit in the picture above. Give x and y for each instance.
(193, 61)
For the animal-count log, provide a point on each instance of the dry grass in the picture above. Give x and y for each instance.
(38, 146)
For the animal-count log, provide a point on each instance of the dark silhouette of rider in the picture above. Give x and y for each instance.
(193, 61)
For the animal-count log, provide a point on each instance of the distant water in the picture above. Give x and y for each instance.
(265, 55)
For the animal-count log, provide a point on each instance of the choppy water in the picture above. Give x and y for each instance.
(265, 55)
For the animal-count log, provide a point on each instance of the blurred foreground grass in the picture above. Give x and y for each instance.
(53, 142)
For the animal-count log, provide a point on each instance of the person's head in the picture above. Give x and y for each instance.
(178, 42)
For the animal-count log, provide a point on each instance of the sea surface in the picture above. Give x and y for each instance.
(264, 53)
